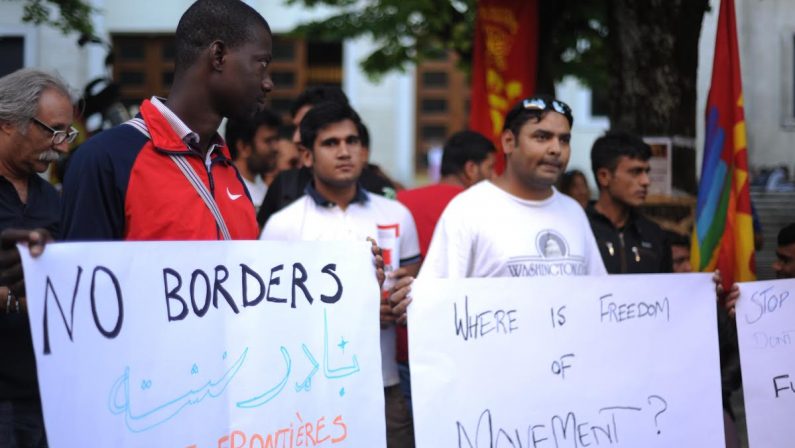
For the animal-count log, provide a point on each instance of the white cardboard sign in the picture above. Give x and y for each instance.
(207, 344)
(628, 361)
(766, 334)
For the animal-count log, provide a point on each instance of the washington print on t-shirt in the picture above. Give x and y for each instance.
(554, 258)
(487, 232)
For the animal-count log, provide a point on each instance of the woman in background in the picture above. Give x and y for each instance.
(574, 184)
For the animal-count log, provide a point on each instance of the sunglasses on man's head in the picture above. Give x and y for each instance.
(542, 104)
(536, 106)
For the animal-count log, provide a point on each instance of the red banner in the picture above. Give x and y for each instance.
(503, 64)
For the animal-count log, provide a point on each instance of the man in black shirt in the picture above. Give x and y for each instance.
(629, 242)
(35, 118)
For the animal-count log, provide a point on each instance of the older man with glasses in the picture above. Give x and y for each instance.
(35, 129)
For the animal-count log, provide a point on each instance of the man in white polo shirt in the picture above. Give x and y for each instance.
(335, 207)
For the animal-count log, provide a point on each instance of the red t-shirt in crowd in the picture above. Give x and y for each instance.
(426, 205)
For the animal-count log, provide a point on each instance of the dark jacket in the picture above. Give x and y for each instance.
(640, 247)
(18, 364)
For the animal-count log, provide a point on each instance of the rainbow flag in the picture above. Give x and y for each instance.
(723, 236)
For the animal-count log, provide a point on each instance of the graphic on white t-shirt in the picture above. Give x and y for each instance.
(554, 258)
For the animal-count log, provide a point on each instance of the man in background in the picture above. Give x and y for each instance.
(680, 252)
(784, 266)
(287, 155)
(629, 242)
(252, 145)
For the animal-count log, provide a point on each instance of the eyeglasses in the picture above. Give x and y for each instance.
(542, 104)
(58, 136)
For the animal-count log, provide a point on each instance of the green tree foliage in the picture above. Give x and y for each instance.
(572, 34)
(642, 53)
(406, 31)
(572, 42)
(73, 15)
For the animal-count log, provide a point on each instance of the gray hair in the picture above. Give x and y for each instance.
(20, 92)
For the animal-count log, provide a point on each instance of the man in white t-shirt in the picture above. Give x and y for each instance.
(335, 207)
(519, 225)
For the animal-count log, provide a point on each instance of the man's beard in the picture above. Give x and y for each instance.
(259, 165)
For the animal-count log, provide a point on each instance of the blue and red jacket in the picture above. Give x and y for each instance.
(122, 185)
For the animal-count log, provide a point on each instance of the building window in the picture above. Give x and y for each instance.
(442, 104)
(12, 54)
(300, 63)
(433, 106)
(143, 66)
(434, 79)
(287, 72)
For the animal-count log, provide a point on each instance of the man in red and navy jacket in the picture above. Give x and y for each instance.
(167, 174)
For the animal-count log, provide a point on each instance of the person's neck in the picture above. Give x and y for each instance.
(452, 179)
(242, 168)
(193, 108)
(342, 196)
(523, 190)
(18, 180)
(269, 176)
(616, 212)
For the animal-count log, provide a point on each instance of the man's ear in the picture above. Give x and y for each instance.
(603, 176)
(301, 149)
(8, 128)
(508, 141)
(470, 170)
(306, 156)
(218, 52)
(243, 149)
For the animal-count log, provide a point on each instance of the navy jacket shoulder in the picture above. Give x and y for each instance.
(95, 185)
